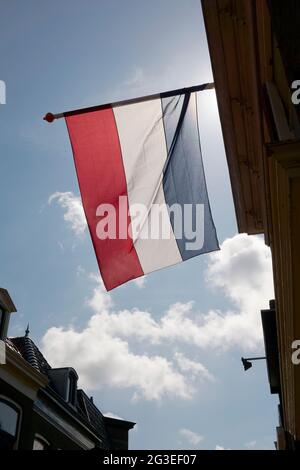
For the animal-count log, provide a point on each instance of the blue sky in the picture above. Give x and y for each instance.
(62, 55)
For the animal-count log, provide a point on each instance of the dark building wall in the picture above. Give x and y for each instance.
(32, 424)
(47, 416)
(26, 430)
(118, 431)
(56, 438)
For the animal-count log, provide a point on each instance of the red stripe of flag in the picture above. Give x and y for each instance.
(101, 176)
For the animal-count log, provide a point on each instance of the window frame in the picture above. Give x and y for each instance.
(42, 440)
(12, 404)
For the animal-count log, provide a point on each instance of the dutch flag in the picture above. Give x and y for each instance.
(142, 153)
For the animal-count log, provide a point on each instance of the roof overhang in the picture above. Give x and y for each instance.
(120, 423)
(233, 53)
(6, 302)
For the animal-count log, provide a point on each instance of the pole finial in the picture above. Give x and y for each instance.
(27, 331)
(49, 117)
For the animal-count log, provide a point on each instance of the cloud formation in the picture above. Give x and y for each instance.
(103, 352)
(192, 367)
(103, 358)
(140, 282)
(251, 444)
(73, 210)
(191, 437)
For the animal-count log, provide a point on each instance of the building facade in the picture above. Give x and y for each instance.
(255, 53)
(41, 407)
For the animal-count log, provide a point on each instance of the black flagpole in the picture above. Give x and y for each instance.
(49, 117)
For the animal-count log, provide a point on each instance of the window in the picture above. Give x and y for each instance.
(9, 424)
(72, 384)
(40, 443)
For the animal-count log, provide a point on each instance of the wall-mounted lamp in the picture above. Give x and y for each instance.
(246, 361)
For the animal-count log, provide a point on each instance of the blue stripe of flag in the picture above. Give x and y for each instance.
(184, 178)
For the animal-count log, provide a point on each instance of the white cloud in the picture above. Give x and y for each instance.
(242, 271)
(136, 78)
(103, 359)
(100, 301)
(80, 271)
(251, 444)
(140, 282)
(102, 352)
(73, 210)
(194, 368)
(61, 246)
(191, 437)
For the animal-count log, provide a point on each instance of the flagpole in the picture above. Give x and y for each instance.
(49, 117)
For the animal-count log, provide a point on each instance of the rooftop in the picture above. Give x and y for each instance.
(84, 407)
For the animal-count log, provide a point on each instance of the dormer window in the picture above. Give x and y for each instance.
(64, 382)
